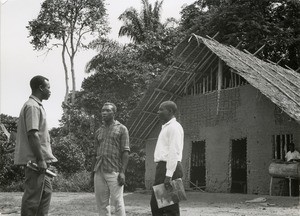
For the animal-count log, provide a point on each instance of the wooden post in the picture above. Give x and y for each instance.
(271, 183)
(285, 145)
(276, 153)
(220, 74)
(220, 78)
(290, 186)
(211, 80)
(282, 146)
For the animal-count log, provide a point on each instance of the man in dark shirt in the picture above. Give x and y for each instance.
(110, 162)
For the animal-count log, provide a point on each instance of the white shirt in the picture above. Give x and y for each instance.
(169, 145)
(292, 155)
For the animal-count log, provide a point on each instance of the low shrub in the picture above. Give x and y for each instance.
(13, 187)
(70, 157)
(9, 172)
(78, 182)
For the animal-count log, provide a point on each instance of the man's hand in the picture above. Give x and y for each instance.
(167, 183)
(42, 166)
(121, 178)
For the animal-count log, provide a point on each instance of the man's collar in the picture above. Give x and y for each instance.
(169, 122)
(116, 122)
(36, 99)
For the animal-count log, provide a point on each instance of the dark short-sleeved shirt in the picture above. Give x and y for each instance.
(32, 117)
(110, 143)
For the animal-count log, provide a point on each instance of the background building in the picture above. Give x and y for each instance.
(238, 113)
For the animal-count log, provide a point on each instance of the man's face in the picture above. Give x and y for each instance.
(292, 148)
(45, 89)
(107, 113)
(163, 113)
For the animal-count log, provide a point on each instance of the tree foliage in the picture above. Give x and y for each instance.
(274, 24)
(9, 173)
(119, 78)
(67, 24)
(69, 155)
(137, 25)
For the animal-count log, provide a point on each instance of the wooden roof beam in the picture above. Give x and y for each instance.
(135, 125)
(150, 126)
(191, 78)
(291, 68)
(169, 69)
(199, 68)
(167, 92)
(148, 112)
(213, 37)
(153, 121)
(256, 51)
(259, 49)
(186, 69)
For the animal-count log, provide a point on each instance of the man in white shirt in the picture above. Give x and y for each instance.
(167, 156)
(292, 154)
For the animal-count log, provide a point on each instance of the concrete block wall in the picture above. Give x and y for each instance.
(219, 118)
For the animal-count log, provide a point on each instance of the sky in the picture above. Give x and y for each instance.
(19, 62)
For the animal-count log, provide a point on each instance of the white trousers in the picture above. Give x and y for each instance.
(108, 192)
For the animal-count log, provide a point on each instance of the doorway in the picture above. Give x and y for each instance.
(239, 166)
(198, 168)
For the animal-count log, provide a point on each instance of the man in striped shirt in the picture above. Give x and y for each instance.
(110, 163)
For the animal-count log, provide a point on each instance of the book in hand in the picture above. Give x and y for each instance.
(34, 167)
(165, 198)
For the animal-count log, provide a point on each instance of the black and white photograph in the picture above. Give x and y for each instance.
(150, 107)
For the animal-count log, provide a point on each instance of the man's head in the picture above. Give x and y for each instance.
(167, 110)
(40, 87)
(108, 112)
(292, 147)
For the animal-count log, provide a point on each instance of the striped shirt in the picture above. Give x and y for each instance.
(110, 142)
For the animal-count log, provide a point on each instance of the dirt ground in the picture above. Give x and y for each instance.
(198, 203)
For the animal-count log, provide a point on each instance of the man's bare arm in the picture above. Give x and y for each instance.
(35, 144)
(125, 159)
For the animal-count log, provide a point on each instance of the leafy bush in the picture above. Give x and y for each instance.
(9, 173)
(78, 182)
(13, 187)
(135, 170)
(70, 157)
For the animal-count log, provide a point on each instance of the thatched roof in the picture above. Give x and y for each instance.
(194, 56)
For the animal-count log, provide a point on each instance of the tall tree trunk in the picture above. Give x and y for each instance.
(72, 56)
(73, 79)
(66, 72)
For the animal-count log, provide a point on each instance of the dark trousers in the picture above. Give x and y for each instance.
(160, 174)
(37, 194)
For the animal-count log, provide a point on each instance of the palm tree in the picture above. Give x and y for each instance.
(138, 25)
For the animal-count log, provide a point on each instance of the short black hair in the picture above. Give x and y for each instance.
(291, 144)
(170, 105)
(36, 81)
(111, 104)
